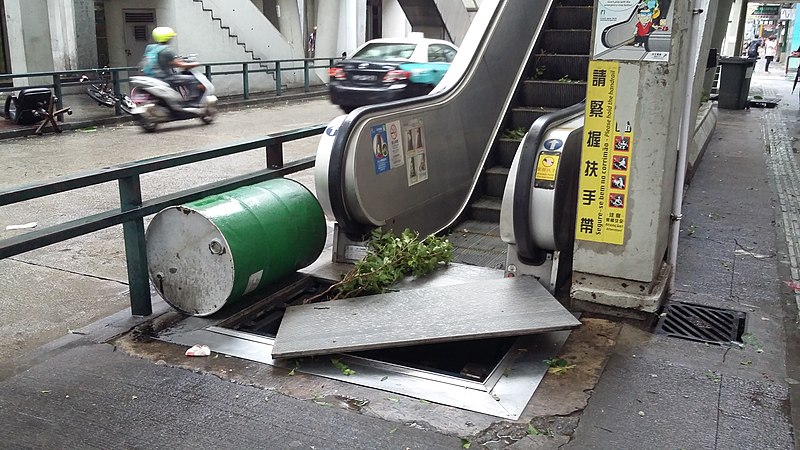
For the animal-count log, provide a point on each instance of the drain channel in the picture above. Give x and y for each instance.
(702, 323)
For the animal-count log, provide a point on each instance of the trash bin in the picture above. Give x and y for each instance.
(734, 83)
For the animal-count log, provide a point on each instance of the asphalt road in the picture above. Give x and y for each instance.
(48, 292)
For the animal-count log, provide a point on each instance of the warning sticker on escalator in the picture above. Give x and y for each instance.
(605, 158)
(546, 168)
(633, 30)
(380, 148)
(416, 158)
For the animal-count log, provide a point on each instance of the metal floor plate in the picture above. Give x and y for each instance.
(478, 243)
(504, 393)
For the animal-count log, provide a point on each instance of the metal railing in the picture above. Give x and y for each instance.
(58, 80)
(133, 209)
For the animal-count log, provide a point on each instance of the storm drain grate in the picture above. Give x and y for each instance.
(702, 323)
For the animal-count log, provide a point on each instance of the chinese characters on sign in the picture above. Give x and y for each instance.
(605, 160)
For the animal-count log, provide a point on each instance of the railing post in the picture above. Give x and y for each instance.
(57, 94)
(246, 80)
(115, 87)
(130, 197)
(305, 76)
(275, 156)
(277, 78)
(208, 72)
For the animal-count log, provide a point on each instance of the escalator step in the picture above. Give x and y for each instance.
(552, 94)
(486, 209)
(556, 67)
(505, 149)
(567, 42)
(494, 183)
(577, 3)
(523, 116)
(571, 17)
(478, 243)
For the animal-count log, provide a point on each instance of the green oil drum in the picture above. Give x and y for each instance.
(211, 252)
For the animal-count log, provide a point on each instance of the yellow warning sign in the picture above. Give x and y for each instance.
(546, 166)
(605, 160)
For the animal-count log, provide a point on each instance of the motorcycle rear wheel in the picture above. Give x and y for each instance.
(101, 97)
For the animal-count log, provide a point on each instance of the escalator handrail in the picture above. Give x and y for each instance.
(526, 249)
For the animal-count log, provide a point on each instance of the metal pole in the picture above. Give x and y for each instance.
(115, 86)
(130, 197)
(277, 78)
(246, 80)
(687, 124)
(305, 76)
(57, 94)
(275, 156)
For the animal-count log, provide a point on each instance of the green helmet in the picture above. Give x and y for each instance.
(163, 34)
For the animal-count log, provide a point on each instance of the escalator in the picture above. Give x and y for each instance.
(520, 61)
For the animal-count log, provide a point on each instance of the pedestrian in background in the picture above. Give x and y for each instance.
(753, 46)
(770, 50)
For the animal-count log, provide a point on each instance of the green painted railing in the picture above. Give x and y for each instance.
(132, 209)
(244, 69)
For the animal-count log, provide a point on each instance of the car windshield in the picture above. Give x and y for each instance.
(384, 51)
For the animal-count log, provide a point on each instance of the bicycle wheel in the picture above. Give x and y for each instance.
(101, 97)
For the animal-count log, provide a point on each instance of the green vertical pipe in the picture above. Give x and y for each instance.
(130, 197)
(277, 78)
(306, 77)
(246, 80)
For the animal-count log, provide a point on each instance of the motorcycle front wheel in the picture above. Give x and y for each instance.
(126, 104)
(101, 97)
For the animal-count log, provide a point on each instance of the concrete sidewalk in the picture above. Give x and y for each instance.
(631, 389)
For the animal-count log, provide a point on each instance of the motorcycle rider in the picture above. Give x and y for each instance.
(160, 61)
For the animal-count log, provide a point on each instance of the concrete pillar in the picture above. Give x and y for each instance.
(16, 41)
(631, 277)
(718, 37)
(290, 24)
(61, 15)
(328, 20)
(739, 42)
(85, 34)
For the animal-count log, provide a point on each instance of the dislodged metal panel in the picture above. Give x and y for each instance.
(502, 307)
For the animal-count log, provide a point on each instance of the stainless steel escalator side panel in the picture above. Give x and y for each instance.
(460, 120)
(544, 207)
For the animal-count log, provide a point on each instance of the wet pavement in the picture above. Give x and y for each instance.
(630, 389)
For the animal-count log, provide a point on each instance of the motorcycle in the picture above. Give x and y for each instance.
(158, 102)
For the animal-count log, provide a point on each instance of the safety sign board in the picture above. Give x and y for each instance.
(416, 158)
(605, 160)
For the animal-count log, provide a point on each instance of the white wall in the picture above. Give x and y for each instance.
(197, 33)
(395, 23)
(62, 34)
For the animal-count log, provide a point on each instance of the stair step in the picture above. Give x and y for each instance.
(556, 67)
(486, 209)
(566, 42)
(571, 17)
(552, 94)
(524, 116)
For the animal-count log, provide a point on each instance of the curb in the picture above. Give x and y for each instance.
(224, 105)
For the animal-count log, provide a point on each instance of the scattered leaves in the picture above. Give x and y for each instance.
(392, 430)
(465, 443)
(392, 399)
(745, 362)
(515, 133)
(390, 258)
(533, 431)
(751, 340)
(558, 366)
(713, 376)
(342, 367)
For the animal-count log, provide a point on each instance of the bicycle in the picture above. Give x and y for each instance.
(103, 92)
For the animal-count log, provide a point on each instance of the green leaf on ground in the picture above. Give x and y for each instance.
(465, 443)
(342, 367)
(558, 366)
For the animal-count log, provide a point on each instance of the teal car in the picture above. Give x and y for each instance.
(384, 70)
